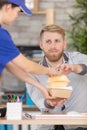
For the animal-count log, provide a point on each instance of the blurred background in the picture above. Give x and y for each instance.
(69, 14)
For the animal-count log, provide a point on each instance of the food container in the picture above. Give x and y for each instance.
(61, 92)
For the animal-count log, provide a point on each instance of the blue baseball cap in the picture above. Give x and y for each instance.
(21, 4)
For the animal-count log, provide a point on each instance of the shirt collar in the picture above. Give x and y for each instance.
(44, 62)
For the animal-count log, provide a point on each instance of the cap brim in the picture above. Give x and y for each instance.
(26, 10)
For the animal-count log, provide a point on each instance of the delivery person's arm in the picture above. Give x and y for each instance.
(32, 67)
(24, 76)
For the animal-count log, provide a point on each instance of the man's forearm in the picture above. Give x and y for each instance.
(80, 69)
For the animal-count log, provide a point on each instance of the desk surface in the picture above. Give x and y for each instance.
(56, 119)
(39, 118)
(70, 121)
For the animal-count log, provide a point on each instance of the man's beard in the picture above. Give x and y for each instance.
(54, 58)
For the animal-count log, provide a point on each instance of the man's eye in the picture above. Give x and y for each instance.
(48, 41)
(57, 41)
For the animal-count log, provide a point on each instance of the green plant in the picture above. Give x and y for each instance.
(78, 33)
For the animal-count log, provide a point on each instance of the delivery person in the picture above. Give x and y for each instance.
(10, 56)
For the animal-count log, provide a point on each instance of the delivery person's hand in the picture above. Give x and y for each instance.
(51, 103)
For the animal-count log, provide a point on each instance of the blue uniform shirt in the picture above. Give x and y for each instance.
(8, 50)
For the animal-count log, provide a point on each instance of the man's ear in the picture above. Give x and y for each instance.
(41, 45)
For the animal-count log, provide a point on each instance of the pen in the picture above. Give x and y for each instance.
(18, 100)
(9, 97)
(14, 97)
(21, 98)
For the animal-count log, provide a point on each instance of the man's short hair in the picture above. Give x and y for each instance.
(53, 28)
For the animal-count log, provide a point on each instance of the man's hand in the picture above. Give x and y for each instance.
(68, 68)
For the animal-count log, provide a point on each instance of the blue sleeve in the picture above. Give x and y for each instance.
(8, 50)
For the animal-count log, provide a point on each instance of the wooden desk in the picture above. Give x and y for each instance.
(60, 120)
(70, 120)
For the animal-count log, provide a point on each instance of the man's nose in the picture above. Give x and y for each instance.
(53, 44)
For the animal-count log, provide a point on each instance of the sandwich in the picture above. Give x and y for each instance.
(58, 81)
